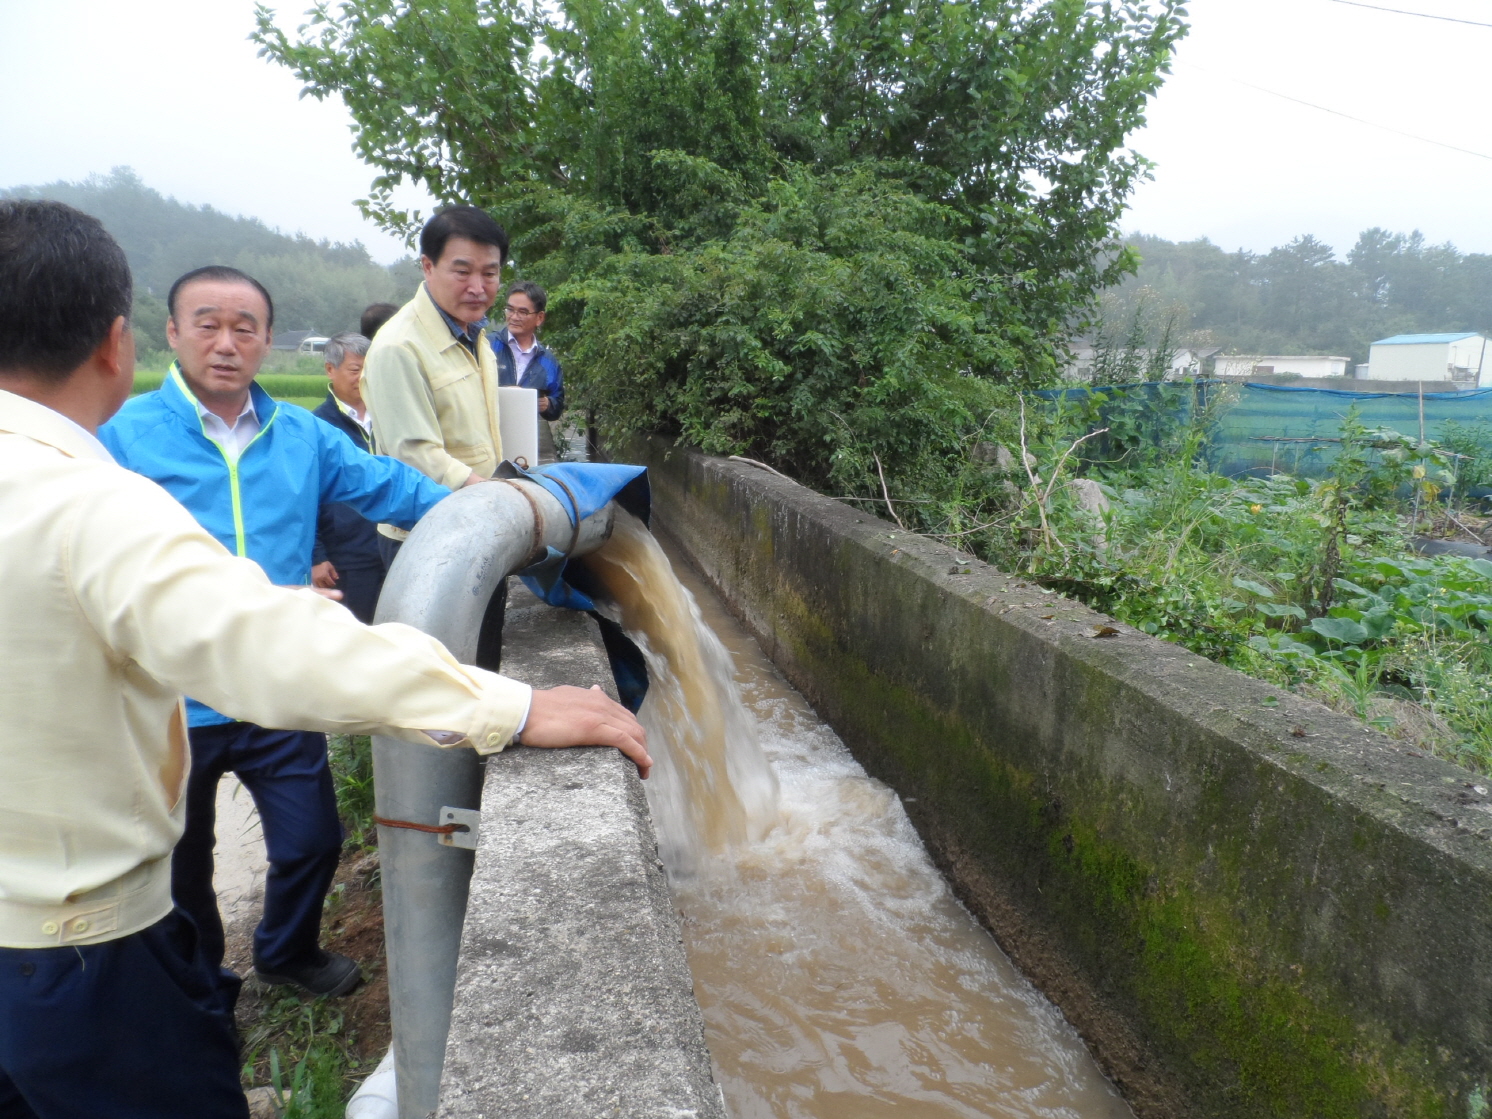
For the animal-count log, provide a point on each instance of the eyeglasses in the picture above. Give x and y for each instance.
(518, 312)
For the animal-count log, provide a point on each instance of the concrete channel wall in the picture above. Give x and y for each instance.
(1250, 906)
(573, 996)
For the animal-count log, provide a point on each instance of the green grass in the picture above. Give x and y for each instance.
(308, 1053)
(156, 362)
(297, 378)
(295, 388)
(309, 403)
(1309, 584)
(351, 758)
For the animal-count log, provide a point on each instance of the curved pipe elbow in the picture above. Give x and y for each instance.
(465, 546)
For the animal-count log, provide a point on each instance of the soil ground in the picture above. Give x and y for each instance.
(275, 1020)
(1464, 525)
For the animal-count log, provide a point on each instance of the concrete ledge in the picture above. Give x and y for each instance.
(1249, 905)
(573, 996)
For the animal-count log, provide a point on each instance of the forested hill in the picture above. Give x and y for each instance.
(1296, 298)
(317, 285)
(1302, 297)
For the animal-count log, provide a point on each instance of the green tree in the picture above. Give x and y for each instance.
(811, 227)
(1307, 293)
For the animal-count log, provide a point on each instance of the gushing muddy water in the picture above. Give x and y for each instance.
(839, 977)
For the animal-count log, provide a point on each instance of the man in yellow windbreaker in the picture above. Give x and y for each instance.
(430, 377)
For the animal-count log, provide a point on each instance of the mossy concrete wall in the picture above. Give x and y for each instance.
(1249, 905)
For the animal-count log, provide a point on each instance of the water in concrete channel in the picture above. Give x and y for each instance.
(838, 975)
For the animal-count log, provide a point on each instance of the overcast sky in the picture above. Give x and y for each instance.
(173, 89)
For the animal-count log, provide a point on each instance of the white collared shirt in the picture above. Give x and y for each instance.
(364, 421)
(522, 357)
(232, 439)
(107, 574)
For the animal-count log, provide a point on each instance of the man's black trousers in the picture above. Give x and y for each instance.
(133, 1028)
(286, 773)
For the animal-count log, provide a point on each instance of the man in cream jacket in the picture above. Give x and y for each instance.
(430, 377)
(113, 603)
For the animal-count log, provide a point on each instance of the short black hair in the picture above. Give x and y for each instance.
(63, 283)
(461, 221)
(374, 316)
(223, 274)
(536, 295)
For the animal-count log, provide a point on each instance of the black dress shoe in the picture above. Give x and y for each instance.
(329, 973)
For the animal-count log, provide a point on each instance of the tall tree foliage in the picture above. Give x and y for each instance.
(796, 219)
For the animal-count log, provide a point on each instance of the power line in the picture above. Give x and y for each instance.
(1359, 120)
(1402, 12)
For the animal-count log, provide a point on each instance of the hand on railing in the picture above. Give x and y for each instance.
(569, 716)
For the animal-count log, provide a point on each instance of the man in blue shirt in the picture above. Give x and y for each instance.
(522, 359)
(254, 473)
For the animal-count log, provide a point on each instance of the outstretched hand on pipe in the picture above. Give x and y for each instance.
(570, 716)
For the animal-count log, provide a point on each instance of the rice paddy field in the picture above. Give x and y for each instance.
(294, 378)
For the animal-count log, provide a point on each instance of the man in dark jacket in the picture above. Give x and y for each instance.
(522, 359)
(346, 555)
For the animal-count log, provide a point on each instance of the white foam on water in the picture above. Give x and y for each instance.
(838, 975)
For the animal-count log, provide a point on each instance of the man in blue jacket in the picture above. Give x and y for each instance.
(347, 556)
(522, 359)
(254, 473)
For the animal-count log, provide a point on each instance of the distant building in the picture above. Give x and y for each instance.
(1190, 361)
(1428, 357)
(1243, 366)
(1185, 362)
(301, 341)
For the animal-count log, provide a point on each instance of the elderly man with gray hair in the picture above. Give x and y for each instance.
(346, 555)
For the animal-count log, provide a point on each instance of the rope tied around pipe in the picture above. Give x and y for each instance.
(575, 517)
(432, 829)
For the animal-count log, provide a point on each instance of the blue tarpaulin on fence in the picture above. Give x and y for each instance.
(1264, 429)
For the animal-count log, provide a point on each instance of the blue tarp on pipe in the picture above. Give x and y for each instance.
(583, 488)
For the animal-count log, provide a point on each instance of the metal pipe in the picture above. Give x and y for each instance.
(440, 582)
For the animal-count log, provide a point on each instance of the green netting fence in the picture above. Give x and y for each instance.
(1265, 429)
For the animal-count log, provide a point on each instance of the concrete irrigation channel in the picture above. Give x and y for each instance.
(1245, 904)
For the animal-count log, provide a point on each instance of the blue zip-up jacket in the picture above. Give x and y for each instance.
(543, 372)
(263, 506)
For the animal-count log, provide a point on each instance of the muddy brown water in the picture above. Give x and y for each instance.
(838, 975)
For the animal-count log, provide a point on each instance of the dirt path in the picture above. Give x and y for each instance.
(239, 872)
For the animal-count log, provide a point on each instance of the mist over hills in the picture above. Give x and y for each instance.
(1295, 298)
(1301, 298)
(316, 285)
